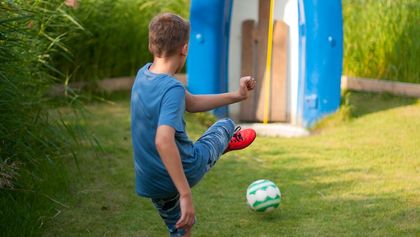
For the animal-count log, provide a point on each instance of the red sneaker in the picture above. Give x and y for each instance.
(241, 139)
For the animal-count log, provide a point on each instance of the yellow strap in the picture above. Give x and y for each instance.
(267, 75)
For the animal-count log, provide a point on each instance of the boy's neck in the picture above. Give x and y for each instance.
(167, 65)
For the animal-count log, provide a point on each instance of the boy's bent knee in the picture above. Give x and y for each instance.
(228, 124)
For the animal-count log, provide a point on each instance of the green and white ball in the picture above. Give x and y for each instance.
(263, 195)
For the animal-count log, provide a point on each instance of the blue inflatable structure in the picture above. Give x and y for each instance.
(316, 75)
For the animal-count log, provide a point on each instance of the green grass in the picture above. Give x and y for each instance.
(381, 39)
(359, 177)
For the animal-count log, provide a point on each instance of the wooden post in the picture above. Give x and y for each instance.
(279, 73)
(254, 59)
(247, 111)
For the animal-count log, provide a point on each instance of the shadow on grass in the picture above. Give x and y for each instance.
(363, 103)
(357, 104)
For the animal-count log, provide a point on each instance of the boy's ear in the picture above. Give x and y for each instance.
(184, 50)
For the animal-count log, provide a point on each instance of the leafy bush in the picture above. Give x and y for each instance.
(32, 141)
(115, 42)
(381, 39)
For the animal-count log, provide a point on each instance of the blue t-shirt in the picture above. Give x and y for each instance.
(159, 99)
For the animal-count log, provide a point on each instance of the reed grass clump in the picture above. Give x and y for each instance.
(33, 142)
(381, 39)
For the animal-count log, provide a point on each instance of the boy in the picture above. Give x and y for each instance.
(167, 164)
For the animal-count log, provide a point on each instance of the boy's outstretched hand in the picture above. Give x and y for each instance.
(246, 84)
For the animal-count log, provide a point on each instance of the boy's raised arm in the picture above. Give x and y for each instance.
(202, 103)
(169, 153)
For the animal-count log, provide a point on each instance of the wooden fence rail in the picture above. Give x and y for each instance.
(373, 85)
(347, 83)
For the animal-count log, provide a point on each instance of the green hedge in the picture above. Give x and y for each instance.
(382, 39)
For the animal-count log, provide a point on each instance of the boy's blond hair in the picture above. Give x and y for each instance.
(167, 34)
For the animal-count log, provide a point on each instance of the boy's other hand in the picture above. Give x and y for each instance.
(187, 212)
(246, 84)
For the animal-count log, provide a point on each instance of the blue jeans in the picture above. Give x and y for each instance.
(211, 145)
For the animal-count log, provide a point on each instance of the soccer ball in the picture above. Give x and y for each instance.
(263, 196)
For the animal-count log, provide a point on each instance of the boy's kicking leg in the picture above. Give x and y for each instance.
(220, 138)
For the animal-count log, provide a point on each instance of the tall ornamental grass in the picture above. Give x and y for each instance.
(382, 39)
(33, 143)
(115, 40)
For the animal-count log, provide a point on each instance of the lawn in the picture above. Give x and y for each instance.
(355, 177)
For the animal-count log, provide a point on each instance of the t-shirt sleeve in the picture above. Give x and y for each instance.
(172, 108)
